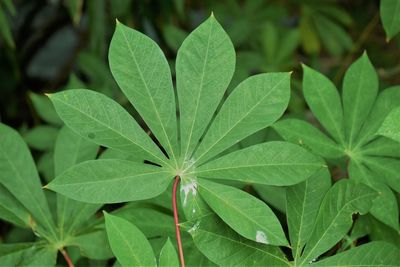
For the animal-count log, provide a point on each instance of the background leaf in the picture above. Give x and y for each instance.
(390, 16)
(168, 255)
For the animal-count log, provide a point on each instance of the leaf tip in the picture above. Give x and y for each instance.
(48, 95)
(212, 14)
(45, 186)
(117, 22)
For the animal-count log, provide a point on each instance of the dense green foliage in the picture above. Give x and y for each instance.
(261, 180)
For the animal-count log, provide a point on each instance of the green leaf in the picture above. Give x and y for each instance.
(27, 254)
(19, 176)
(335, 216)
(390, 16)
(360, 89)
(129, 245)
(111, 181)
(142, 72)
(147, 219)
(103, 121)
(305, 134)
(275, 196)
(385, 207)
(41, 137)
(391, 125)
(11, 209)
(244, 213)
(371, 254)
(45, 109)
(205, 64)
(382, 147)
(192, 203)
(302, 203)
(385, 170)
(255, 104)
(324, 101)
(272, 163)
(93, 244)
(225, 247)
(387, 100)
(168, 256)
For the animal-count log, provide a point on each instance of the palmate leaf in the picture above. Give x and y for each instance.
(272, 163)
(205, 64)
(142, 72)
(247, 215)
(224, 247)
(334, 218)
(129, 245)
(372, 254)
(19, 176)
(111, 181)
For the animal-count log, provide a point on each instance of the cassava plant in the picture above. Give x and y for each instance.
(180, 150)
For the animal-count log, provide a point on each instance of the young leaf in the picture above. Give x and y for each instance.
(225, 247)
(302, 203)
(129, 245)
(360, 89)
(324, 101)
(103, 121)
(19, 176)
(390, 16)
(272, 163)
(205, 64)
(247, 215)
(111, 181)
(255, 104)
(391, 125)
(371, 254)
(142, 72)
(168, 256)
(335, 216)
(305, 134)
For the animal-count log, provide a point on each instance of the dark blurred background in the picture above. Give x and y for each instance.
(46, 46)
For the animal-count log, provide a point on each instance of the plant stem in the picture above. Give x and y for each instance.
(176, 220)
(67, 258)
